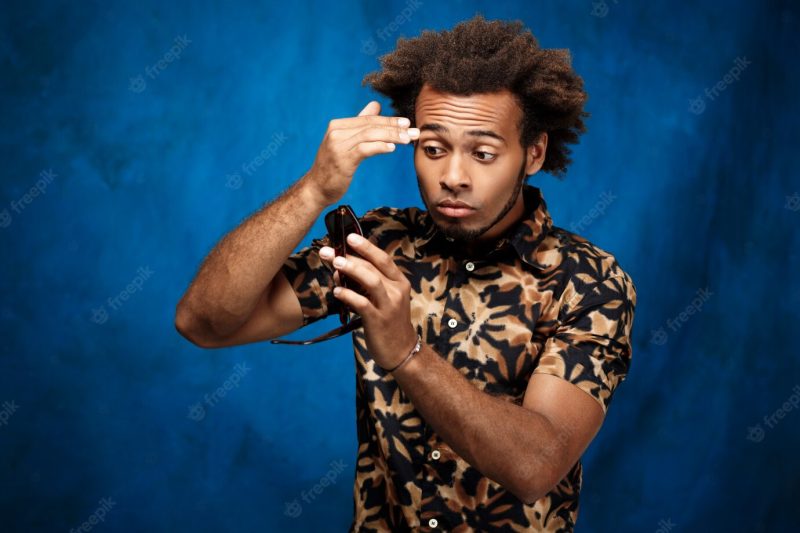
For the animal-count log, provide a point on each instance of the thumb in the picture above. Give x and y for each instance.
(372, 108)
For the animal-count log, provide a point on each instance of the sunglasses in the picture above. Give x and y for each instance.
(340, 222)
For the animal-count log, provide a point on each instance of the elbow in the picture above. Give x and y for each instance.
(530, 497)
(190, 326)
(535, 483)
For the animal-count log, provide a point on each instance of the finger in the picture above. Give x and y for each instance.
(385, 134)
(366, 275)
(372, 108)
(376, 120)
(353, 300)
(369, 149)
(376, 257)
(326, 255)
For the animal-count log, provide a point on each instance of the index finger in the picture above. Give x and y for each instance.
(353, 122)
(376, 256)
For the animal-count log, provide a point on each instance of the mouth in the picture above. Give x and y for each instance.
(455, 209)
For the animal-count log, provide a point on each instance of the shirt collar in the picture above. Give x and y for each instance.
(525, 236)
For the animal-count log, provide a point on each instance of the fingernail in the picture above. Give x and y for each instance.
(326, 251)
(339, 262)
(403, 122)
(413, 132)
(354, 239)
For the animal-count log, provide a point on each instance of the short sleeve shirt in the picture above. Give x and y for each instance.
(539, 300)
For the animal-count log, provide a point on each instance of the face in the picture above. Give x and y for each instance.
(468, 151)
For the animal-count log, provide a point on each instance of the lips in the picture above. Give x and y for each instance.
(454, 203)
(455, 208)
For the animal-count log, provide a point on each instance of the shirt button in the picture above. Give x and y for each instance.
(435, 454)
(433, 522)
(452, 322)
(470, 266)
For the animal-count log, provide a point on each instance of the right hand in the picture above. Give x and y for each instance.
(347, 142)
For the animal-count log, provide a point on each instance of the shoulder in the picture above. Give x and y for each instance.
(584, 264)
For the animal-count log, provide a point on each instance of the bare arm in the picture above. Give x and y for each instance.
(528, 449)
(239, 294)
(237, 276)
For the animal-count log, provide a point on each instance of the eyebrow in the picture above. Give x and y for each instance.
(438, 128)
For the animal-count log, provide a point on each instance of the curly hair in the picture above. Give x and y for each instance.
(480, 56)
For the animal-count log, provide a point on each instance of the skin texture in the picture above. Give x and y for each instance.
(239, 295)
(527, 448)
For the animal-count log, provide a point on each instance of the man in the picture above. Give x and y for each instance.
(524, 327)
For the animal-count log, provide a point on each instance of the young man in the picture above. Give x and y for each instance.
(492, 340)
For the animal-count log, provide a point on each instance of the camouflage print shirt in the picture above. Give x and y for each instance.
(543, 300)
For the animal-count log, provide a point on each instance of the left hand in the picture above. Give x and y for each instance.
(386, 311)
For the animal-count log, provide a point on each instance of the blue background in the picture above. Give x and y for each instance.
(145, 177)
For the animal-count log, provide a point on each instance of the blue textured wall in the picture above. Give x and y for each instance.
(119, 174)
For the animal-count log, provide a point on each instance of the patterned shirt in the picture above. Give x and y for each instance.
(544, 300)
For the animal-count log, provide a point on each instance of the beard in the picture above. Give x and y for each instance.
(465, 236)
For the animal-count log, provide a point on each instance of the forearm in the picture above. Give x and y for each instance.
(241, 266)
(504, 441)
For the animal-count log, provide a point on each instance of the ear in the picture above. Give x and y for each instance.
(535, 155)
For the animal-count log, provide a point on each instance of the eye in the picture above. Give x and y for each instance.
(488, 156)
(427, 149)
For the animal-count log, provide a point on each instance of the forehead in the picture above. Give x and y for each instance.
(498, 110)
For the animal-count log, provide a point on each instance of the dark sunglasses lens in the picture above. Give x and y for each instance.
(351, 225)
(340, 222)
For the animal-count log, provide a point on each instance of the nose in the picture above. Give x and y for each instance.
(455, 176)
